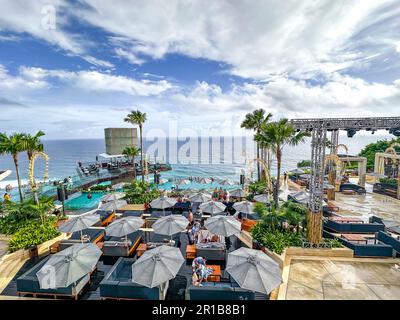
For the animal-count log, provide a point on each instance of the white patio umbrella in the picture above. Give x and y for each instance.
(205, 180)
(226, 183)
(163, 202)
(113, 205)
(118, 186)
(170, 225)
(200, 197)
(124, 226)
(157, 266)
(243, 206)
(237, 193)
(79, 223)
(68, 266)
(264, 198)
(225, 226)
(254, 270)
(113, 196)
(212, 207)
(182, 182)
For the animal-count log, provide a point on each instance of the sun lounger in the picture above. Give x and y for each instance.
(131, 213)
(220, 291)
(117, 284)
(118, 247)
(28, 284)
(93, 235)
(106, 217)
(210, 252)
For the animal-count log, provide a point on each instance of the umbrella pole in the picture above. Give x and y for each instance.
(163, 210)
(81, 236)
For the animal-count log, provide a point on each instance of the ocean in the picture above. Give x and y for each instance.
(223, 159)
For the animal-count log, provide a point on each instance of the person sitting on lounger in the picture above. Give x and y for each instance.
(197, 262)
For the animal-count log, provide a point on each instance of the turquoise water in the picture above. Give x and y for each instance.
(81, 201)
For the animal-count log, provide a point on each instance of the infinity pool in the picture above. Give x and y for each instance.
(81, 201)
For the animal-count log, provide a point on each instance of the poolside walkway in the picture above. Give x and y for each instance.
(370, 204)
(312, 278)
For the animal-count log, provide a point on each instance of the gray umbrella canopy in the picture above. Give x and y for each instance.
(243, 206)
(226, 183)
(79, 223)
(254, 270)
(68, 266)
(113, 205)
(157, 266)
(376, 175)
(170, 225)
(225, 226)
(163, 202)
(124, 226)
(200, 197)
(264, 198)
(118, 186)
(212, 207)
(205, 180)
(113, 196)
(183, 182)
(238, 193)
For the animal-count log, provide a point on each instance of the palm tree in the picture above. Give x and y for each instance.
(43, 207)
(131, 153)
(33, 143)
(138, 118)
(254, 121)
(276, 135)
(13, 145)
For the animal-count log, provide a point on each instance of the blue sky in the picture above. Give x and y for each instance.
(72, 68)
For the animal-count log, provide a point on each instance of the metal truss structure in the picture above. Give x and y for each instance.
(319, 129)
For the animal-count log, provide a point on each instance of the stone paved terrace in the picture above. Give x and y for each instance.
(341, 279)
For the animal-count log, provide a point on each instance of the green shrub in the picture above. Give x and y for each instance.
(32, 234)
(258, 187)
(371, 149)
(138, 192)
(304, 163)
(98, 187)
(389, 181)
(275, 240)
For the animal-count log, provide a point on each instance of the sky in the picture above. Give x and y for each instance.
(73, 68)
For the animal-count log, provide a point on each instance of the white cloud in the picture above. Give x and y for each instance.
(130, 56)
(39, 78)
(339, 96)
(258, 39)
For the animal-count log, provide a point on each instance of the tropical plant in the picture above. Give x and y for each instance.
(275, 240)
(32, 234)
(258, 187)
(13, 145)
(131, 153)
(32, 143)
(371, 149)
(138, 118)
(140, 192)
(254, 121)
(17, 214)
(304, 163)
(389, 181)
(275, 136)
(295, 214)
